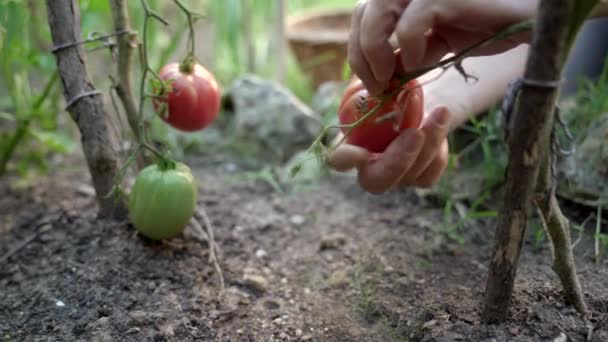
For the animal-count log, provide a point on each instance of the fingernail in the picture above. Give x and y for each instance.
(440, 117)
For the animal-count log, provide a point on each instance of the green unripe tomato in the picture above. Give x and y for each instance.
(163, 200)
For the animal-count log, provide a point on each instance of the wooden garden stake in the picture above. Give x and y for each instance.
(85, 104)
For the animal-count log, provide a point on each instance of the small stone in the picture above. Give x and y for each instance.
(261, 254)
(133, 330)
(299, 332)
(513, 331)
(332, 241)
(266, 114)
(338, 278)
(59, 304)
(230, 167)
(239, 331)
(255, 281)
(100, 330)
(306, 338)
(429, 324)
(561, 338)
(271, 305)
(283, 280)
(283, 335)
(297, 220)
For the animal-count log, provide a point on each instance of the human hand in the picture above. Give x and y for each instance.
(426, 30)
(418, 157)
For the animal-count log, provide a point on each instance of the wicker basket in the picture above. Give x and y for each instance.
(319, 41)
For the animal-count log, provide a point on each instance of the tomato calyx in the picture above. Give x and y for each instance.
(167, 164)
(187, 65)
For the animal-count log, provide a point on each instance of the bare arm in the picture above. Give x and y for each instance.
(464, 99)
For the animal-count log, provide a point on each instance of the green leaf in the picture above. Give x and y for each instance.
(55, 141)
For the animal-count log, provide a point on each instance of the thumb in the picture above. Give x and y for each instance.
(346, 157)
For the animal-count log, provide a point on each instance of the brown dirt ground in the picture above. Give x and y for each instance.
(326, 264)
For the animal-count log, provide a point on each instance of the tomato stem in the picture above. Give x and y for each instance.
(187, 65)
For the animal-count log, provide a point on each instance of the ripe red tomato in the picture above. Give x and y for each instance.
(372, 135)
(194, 100)
(376, 136)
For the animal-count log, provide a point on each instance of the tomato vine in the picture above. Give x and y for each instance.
(142, 139)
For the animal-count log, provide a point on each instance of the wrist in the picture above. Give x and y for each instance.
(459, 106)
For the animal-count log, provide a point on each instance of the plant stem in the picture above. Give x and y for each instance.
(187, 65)
(7, 153)
(126, 43)
(146, 66)
(23, 124)
(557, 227)
(191, 36)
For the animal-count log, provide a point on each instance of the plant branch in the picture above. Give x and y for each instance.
(126, 48)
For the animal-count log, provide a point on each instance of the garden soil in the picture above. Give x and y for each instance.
(325, 263)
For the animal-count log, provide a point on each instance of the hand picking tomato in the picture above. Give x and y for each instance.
(193, 102)
(162, 200)
(379, 130)
(404, 110)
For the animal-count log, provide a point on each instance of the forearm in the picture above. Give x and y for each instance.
(464, 99)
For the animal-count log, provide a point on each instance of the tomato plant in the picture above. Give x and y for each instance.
(192, 101)
(402, 111)
(163, 200)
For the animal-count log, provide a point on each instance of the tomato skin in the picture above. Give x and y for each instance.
(194, 101)
(163, 200)
(376, 136)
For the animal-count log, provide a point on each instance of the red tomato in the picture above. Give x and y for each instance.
(406, 106)
(194, 101)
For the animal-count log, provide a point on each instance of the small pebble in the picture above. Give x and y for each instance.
(297, 220)
(260, 253)
(332, 241)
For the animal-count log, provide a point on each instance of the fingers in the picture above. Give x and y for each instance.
(411, 31)
(376, 28)
(434, 171)
(356, 59)
(380, 175)
(346, 157)
(435, 129)
(370, 54)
